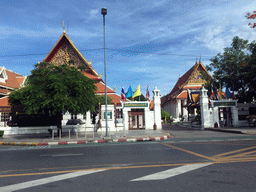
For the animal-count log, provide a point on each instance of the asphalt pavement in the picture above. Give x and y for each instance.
(168, 132)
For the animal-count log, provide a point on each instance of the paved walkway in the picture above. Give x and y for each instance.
(168, 132)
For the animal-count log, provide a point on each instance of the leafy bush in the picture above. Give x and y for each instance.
(166, 117)
(165, 114)
(1, 133)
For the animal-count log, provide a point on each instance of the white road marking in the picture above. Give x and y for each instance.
(60, 155)
(34, 183)
(171, 172)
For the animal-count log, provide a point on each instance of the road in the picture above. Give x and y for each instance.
(196, 165)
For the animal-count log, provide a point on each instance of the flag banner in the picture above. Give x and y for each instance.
(212, 95)
(129, 92)
(228, 93)
(122, 94)
(233, 96)
(137, 92)
(217, 94)
(147, 94)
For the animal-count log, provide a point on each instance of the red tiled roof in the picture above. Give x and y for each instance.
(20, 80)
(4, 102)
(151, 105)
(90, 75)
(115, 98)
(192, 87)
(14, 80)
(101, 88)
(183, 95)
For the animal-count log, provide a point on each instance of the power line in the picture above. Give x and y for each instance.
(118, 50)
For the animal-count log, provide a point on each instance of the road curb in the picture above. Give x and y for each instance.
(140, 139)
(223, 130)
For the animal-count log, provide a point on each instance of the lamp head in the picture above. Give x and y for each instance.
(104, 11)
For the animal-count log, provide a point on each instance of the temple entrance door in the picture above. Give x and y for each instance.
(225, 117)
(136, 120)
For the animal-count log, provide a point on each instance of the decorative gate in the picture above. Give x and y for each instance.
(136, 120)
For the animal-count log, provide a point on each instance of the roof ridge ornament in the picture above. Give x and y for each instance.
(64, 28)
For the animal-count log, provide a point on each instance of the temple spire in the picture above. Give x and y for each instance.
(63, 28)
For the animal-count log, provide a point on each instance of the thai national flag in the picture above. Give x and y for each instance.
(212, 95)
(122, 94)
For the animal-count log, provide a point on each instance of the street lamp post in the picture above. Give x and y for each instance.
(104, 12)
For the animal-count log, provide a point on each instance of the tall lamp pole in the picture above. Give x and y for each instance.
(104, 12)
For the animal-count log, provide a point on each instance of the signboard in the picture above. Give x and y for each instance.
(224, 103)
(135, 105)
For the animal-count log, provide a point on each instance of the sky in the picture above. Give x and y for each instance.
(147, 42)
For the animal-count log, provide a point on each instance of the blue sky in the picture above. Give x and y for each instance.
(148, 42)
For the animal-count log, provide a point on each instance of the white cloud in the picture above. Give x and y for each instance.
(93, 13)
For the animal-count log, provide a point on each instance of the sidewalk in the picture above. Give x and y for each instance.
(239, 130)
(81, 138)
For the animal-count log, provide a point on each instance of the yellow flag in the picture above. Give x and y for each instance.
(137, 92)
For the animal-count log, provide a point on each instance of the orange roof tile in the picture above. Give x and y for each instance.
(183, 95)
(101, 88)
(14, 80)
(21, 79)
(151, 105)
(90, 75)
(4, 102)
(192, 87)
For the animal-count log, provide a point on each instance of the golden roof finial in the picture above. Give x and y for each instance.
(63, 28)
(101, 75)
(114, 89)
(38, 62)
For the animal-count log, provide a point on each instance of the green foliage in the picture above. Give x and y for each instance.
(236, 68)
(1, 133)
(56, 88)
(102, 100)
(165, 114)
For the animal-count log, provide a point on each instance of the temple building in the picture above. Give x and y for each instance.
(183, 102)
(9, 80)
(122, 115)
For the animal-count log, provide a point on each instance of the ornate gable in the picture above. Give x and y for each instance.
(190, 80)
(64, 51)
(196, 78)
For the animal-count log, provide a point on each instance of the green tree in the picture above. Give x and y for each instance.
(57, 89)
(231, 68)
